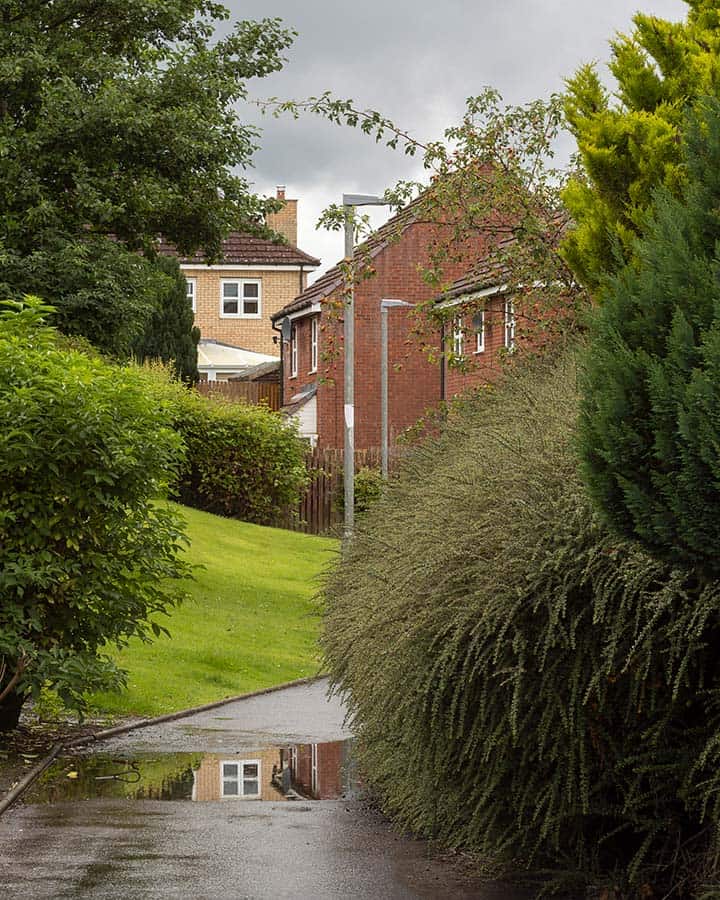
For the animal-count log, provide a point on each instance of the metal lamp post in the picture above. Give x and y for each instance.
(385, 305)
(349, 201)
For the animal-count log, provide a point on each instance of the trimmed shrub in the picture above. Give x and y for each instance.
(242, 461)
(87, 555)
(522, 682)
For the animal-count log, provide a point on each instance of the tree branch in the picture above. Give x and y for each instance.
(22, 664)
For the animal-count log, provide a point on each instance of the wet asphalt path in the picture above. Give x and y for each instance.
(130, 849)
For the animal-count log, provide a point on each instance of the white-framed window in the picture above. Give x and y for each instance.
(240, 778)
(479, 329)
(314, 329)
(192, 292)
(509, 325)
(458, 338)
(240, 298)
(293, 352)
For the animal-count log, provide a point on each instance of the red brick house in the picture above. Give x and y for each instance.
(472, 352)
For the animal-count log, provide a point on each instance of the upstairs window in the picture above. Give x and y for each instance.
(458, 338)
(479, 328)
(293, 352)
(314, 328)
(509, 325)
(240, 298)
(191, 292)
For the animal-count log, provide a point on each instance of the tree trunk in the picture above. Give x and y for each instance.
(10, 708)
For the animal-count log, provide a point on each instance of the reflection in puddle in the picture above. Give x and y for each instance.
(296, 772)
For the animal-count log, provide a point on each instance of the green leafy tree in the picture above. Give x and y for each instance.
(650, 426)
(630, 147)
(492, 191)
(117, 125)
(170, 336)
(87, 555)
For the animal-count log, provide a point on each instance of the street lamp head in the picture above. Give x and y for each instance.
(391, 304)
(363, 200)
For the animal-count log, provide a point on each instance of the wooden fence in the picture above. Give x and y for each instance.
(254, 392)
(320, 509)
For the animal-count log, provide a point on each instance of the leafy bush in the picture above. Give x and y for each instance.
(369, 485)
(522, 682)
(242, 461)
(85, 551)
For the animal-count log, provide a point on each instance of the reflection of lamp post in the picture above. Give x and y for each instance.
(385, 305)
(350, 200)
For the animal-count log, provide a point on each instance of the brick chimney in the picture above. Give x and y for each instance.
(285, 221)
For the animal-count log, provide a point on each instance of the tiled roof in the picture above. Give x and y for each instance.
(243, 249)
(334, 278)
(491, 271)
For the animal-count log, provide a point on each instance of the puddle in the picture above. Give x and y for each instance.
(323, 771)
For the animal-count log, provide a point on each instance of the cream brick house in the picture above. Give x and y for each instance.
(234, 300)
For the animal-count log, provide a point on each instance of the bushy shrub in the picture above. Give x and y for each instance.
(369, 485)
(241, 461)
(86, 554)
(522, 682)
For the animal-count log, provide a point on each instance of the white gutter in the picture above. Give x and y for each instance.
(200, 266)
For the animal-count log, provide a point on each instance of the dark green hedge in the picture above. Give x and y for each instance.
(522, 682)
(241, 461)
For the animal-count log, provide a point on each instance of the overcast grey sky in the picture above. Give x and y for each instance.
(416, 61)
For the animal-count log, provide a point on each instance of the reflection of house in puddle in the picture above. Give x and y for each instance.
(310, 771)
(320, 771)
(239, 777)
(298, 771)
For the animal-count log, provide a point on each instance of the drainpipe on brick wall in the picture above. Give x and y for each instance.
(282, 365)
(442, 361)
(302, 281)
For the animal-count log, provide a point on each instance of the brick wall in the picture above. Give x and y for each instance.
(278, 289)
(305, 374)
(479, 367)
(413, 381)
(285, 221)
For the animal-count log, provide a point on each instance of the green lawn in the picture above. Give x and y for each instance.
(250, 621)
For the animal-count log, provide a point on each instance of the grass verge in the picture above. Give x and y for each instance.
(250, 622)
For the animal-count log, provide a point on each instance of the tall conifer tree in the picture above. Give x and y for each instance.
(650, 423)
(630, 147)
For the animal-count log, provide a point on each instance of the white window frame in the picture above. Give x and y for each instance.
(314, 332)
(458, 337)
(192, 292)
(240, 779)
(293, 352)
(509, 325)
(480, 333)
(241, 314)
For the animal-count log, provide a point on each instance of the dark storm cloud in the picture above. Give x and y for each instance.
(416, 62)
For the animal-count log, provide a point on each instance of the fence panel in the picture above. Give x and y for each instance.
(320, 509)
(254, 392)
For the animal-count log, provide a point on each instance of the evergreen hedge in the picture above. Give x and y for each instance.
(650, 425)
(522, 682)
